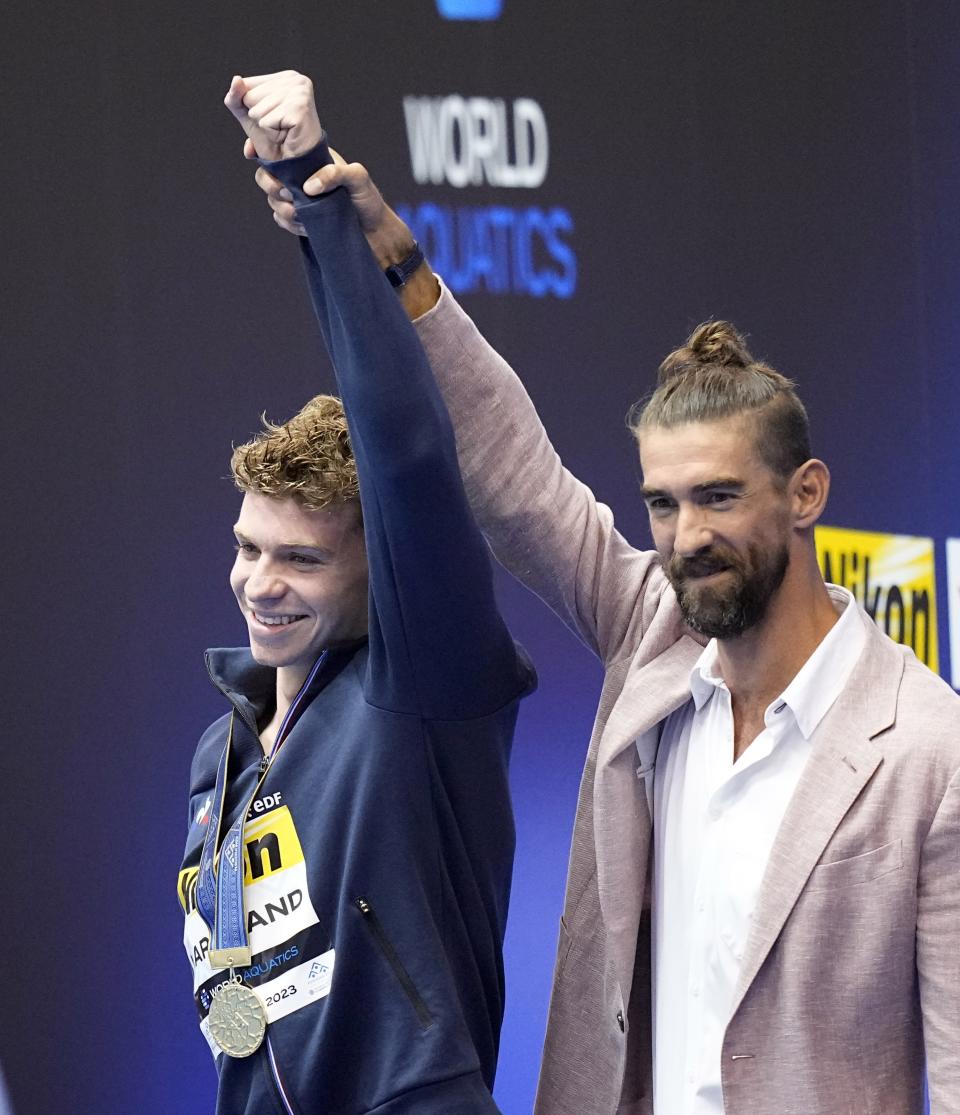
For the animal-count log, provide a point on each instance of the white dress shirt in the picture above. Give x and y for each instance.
(715, 821)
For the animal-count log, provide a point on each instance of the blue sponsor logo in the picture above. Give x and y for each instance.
(264, 967)
(497, 249)
(470, 9)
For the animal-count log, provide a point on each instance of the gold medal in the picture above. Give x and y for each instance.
(237, 1019)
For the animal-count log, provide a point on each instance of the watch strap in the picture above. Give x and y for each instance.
(399, 273)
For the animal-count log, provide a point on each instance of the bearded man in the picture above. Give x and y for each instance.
(763, 903)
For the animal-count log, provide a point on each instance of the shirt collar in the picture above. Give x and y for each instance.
(705, 677)
(820, 680)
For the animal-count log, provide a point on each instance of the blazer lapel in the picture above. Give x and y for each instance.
(842, 761)
(649, 695)
(621, 814)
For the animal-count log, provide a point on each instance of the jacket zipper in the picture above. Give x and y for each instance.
(278, 1083)
(390, 954)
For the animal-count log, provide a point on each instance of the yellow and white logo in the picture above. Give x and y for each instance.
(953, 596)
(892, 576)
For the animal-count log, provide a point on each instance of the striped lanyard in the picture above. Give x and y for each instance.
(220, 880)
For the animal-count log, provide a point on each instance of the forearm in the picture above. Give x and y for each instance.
(430, 574)
(391, 242)
(379, 366)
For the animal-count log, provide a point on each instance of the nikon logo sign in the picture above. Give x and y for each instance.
(892, 577)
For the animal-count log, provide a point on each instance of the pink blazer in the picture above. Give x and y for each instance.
(851, 975)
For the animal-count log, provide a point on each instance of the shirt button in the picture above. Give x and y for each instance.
(620, 1020)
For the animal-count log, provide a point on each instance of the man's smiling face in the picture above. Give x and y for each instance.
(300, 578)
(720, 519)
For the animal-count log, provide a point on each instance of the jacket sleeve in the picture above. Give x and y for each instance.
(543, 524)
(938, 953)
(438, 646)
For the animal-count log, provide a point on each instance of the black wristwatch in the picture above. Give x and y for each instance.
(399, 273)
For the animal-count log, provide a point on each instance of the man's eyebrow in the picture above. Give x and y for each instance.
(305, 546)
(241, 537)
(728, 483)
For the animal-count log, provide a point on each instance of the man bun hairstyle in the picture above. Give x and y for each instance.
(712, 344)
(714, 376)
(308, 458)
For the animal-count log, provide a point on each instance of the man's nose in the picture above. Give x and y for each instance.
(693, 532)
(264, 583)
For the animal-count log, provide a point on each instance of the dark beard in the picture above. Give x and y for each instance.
(726, 611)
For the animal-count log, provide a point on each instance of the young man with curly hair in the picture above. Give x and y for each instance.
(348, 861)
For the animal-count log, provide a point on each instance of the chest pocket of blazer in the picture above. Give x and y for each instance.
(863, 868)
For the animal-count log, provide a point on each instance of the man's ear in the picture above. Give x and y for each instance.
(809, 487)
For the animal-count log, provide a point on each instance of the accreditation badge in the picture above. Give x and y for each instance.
(291, 964)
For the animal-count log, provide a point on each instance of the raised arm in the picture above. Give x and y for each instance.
(438, 645)
(545, 526)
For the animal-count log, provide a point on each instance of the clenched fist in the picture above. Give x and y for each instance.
(278, 113)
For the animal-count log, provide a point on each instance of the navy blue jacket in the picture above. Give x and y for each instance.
(380, 848)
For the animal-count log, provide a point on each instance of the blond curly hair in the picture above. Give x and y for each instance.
(308, 458)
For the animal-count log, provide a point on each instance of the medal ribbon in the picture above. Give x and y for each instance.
(220, 879)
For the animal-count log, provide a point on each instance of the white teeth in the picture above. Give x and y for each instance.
(275, 621)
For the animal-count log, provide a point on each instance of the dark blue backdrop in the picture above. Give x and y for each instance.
(793, 167)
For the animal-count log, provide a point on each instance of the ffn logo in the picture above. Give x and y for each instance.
(470, 9)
